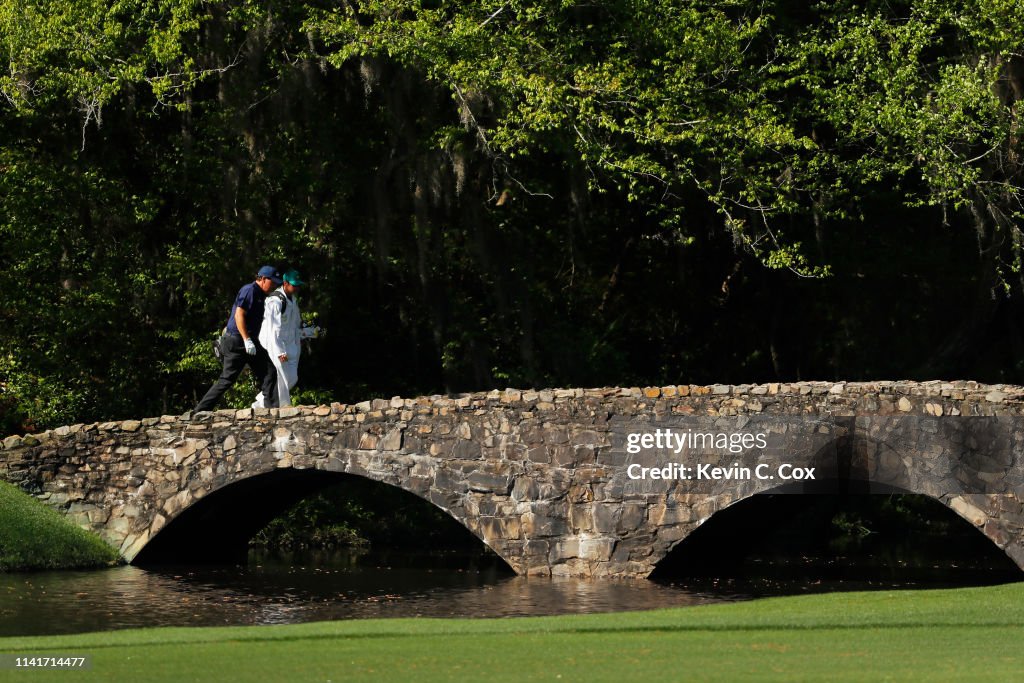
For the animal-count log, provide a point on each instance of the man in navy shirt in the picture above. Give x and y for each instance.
(240, 344)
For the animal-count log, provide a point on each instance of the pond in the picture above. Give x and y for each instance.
(317, 586)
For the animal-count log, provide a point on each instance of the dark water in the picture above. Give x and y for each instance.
(310, 587)
(347, 585)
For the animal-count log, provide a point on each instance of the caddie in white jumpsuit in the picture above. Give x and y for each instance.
(282, 334)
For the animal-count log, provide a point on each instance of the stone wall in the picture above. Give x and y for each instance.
(542, 476)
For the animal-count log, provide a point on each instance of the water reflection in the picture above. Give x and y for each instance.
(272, 590)
(347, 585)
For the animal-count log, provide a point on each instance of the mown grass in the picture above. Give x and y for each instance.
(964, 634)
(33, 536)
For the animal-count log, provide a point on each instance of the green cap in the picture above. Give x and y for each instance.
(292, 278)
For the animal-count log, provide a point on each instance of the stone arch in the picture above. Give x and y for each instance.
(865, 465)
(882, 466)
(216, 526)
(971, 509)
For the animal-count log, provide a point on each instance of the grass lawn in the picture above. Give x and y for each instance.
(973, 634)
(33, 536)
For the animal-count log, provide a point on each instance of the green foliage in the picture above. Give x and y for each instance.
(850, 526)
(33, 536)
(87, 52)
(315, 522)
(360, 513)
(311, 397)
(917, 94)
(523, 193)
(27, 399)
(730, 99)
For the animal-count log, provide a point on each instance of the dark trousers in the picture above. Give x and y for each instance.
(235, 360)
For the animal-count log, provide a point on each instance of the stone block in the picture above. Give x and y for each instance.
(392, 441)
(466, 450)
(581, 518)
(564, 550)
(119, 526)
(632, 516)
(596, 549)
(524, 489)
(554, 436)
(511, 396)
(661, 514)
(539, 524)
(177, 503)
(671, 534)
(500, 528)
(133, 544)
(483, 482)
(562, 456)
(589, 437)
(968, 511)
(535, 557)
(997, 533)
(606, 517)
(538, 454)
(368, 442)
(448, 481)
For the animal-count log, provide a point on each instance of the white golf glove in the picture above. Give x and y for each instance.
(312, 332)
(250, 347)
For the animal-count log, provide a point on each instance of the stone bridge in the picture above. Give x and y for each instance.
(581, 482)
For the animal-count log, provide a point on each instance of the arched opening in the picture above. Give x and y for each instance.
(201, 568)
(296, 510)
(774, 544)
